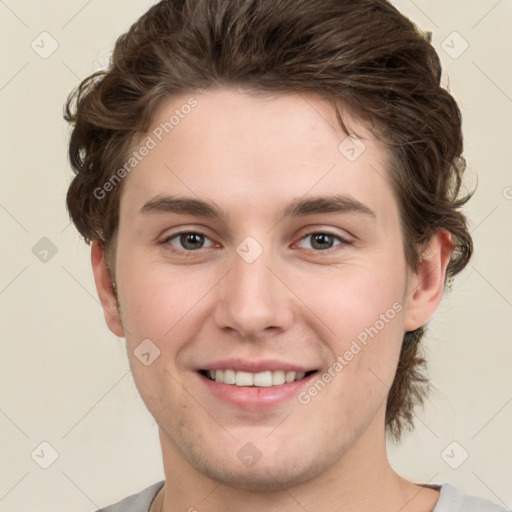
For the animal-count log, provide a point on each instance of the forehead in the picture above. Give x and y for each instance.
(243, 151)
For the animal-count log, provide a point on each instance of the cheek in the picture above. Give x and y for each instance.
(156, 301)
(355, 298)
(362, 306)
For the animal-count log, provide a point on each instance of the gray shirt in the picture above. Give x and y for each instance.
(450, 500)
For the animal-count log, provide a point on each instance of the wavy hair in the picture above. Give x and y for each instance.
(362, 54)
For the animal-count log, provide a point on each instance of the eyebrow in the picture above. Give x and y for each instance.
(326, 204)
(170, 204)
(299, 207)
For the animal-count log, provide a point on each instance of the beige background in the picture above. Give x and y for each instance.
(65, 377)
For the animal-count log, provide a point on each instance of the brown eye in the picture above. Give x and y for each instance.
(322, 241)
(191, 241)
(188, 241)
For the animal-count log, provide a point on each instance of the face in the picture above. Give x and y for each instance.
(265, 265)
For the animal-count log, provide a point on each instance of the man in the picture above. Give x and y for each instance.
(271, 192)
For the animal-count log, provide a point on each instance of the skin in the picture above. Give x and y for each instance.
(251, 156)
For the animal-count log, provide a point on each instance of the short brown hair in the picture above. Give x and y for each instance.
(362, 54)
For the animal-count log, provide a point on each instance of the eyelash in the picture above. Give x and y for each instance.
(343, 241)
(167, 240)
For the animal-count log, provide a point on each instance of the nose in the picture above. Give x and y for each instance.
(253, 299)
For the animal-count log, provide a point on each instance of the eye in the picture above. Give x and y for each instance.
(321, 241)
(188, 240)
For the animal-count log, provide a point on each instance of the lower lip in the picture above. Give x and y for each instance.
(255, 398)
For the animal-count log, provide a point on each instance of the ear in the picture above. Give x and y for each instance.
(426, 285)
(105, 289)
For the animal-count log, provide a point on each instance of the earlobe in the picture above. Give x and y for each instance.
(105, 289)
(426, 285)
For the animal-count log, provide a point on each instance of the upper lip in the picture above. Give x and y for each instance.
(253, 366)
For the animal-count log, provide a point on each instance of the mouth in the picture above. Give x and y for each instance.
(254, 384)
(263, 379)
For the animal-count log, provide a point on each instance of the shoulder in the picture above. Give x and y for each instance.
(452, 499)
(139, 502)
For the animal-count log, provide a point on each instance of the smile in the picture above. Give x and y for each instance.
(264, 379)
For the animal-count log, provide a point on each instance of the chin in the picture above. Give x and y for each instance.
(274, 474)
(265, 479)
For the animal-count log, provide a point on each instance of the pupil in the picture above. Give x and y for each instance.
(320, 239)
(191, 240)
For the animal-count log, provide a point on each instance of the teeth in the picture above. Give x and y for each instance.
(278, 378)
(290, 376)
(229, 377)
(242, 379)
(261, 380)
